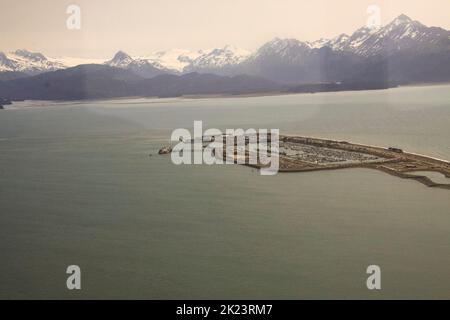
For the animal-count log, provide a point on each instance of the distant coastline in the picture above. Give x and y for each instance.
(221, 95)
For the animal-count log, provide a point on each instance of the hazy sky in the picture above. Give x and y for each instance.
(144, 26)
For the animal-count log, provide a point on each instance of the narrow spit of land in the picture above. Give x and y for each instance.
(299, 154)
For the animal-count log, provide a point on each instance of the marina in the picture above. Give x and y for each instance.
(300, 154)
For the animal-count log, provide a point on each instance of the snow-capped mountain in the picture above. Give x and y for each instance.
(294, 61)
(290, 50)
(360, 55)
(6, 64)
(142, 67)
(175, 59)
(338, 43)
(217, 59)
(180, 61)
(122, 60)
(403, 50)
(27, 62)
(401, 34)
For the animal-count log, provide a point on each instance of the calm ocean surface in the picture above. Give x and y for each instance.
(77, 186)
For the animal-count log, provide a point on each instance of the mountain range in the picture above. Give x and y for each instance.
(93, 81)
(403, 51)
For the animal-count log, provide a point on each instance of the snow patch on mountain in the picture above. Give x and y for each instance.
(75, 61)
(175, 59)
(318, 43)
(219, 58)
(26, 61)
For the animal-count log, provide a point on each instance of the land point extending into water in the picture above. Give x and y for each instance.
(302, 154)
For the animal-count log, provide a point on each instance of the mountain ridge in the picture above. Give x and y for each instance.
(94, 81)
(404, 50)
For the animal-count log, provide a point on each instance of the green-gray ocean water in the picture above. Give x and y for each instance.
(77, 186)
